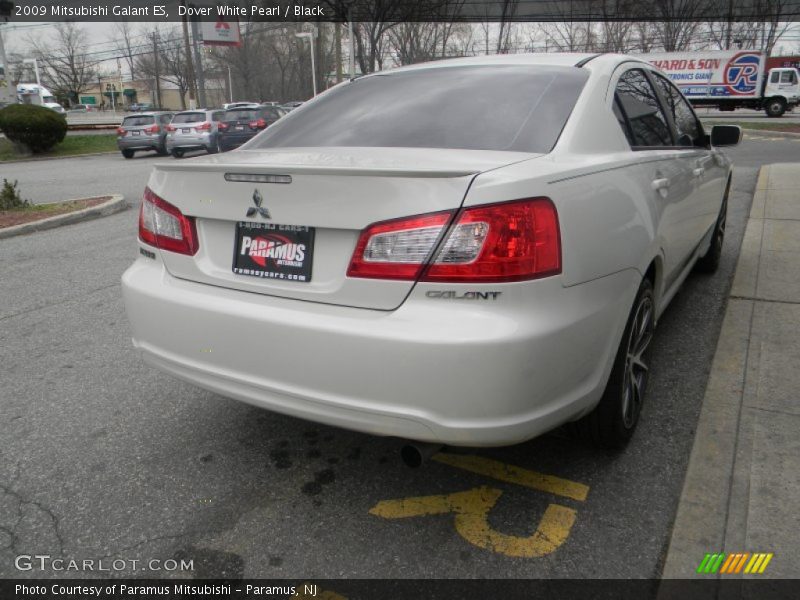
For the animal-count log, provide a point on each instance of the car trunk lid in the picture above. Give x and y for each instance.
(336, 192)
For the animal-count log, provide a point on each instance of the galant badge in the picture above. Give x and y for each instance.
(257, 200)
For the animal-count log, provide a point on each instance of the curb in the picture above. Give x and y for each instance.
(772, 132)
(43, 158)
(707, 517)
(114, 205)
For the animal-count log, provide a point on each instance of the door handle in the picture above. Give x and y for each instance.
(698, 171)
(660, 184)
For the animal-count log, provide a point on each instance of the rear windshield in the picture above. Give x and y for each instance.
(241, 114)
(189, 118)
(137, 121)
(517, 108)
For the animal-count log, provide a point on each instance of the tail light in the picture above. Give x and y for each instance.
(258, 124)
(222, 126)
(153, 129)
(164, 226)
(120, 131)
(205, 126)
(171, 128)
(510, 241)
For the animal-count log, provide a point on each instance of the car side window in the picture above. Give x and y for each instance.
(773, 78)
(690, 132)
(642, 109)
(787, 77)
(622, 120)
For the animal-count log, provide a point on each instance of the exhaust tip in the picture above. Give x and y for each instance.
(413, 455)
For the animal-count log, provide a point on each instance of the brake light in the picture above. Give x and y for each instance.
(510, 241)
(205, 126)
(259, 124)
(120, 131)
(222, 126)
(153, 129)
(171, 128)
(164, 226)
(397, 249)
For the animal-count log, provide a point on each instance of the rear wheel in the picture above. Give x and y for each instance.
(127, 153)
(162, 150)
(214, 147)
(775, 107)
(612, 423)
(709, 262)
(177, 152)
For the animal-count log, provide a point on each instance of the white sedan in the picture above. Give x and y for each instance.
(465, 252)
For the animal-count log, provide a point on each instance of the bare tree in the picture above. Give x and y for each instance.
(66, 67)
(123, 38)
(172, 63)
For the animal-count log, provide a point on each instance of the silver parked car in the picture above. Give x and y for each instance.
(467, 252)
(145, 131)
(194, 130)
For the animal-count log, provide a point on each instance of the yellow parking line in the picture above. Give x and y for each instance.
(518, 475)
(764, 564)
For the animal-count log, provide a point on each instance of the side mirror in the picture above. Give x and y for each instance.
(726, 135)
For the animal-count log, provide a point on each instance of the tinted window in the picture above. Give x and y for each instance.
(241, 114)
(521, 108)
(689, 131)
(195, 117)
(642, 110)
(218, 116)
(138, 121)
(621, 120)
(773, 78)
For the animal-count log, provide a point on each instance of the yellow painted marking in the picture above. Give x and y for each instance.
(740, 564)
(760, 558)
(518, 475)
(727, 563)
(752, 562)
(471, 510)
(767, 558)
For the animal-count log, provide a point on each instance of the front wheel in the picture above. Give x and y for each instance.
(709, 262)
(612, 423)
(177, 152)
(127, 153)
(775, 107)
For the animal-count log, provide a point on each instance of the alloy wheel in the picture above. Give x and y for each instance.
(636, 370)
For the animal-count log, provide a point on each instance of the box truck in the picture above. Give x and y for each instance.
(730, 79)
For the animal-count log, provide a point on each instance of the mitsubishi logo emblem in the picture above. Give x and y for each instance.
(257, 200)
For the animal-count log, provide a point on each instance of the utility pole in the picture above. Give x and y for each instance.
(338, 43)
(729, 25)
(352, 65)
(157, 101)
(201, 79)
(189, 66)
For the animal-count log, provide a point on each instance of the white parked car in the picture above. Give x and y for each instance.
(468, 252)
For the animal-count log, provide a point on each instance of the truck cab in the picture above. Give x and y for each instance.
(781, 91)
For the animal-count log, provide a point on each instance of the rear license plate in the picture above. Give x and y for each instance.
(273, 251)
(186, 131)
(135, 132)
(239, 128)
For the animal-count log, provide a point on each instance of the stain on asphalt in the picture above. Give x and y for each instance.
(275, 561)
(280, 459)
(212, 564)
(355, 453)
(313, 453)
(321, 478)
(206, 458)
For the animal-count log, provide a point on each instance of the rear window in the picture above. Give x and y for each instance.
(509, 107)
(241, 114)
(137, 121)
(197, 117)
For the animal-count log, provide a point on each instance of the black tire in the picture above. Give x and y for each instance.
(213, 148)
(177, 152)
(775, 107)
(709, 262)
(612, 422)
(162, 150)
(128, 153)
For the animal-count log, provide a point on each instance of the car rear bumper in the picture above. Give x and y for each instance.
(229, 141)
(138, 143)
(189, 141)
(469, 373)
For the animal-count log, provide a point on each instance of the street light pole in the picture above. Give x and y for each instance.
(310, 37)
(38, 79)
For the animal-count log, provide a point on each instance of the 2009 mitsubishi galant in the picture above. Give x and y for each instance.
(469, 252)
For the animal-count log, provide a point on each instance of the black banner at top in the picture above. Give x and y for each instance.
(400, 10)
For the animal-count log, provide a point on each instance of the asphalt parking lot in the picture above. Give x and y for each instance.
(104, 457)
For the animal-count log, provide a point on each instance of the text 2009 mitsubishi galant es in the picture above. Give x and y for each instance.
(467, 252)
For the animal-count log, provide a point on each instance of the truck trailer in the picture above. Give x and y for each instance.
(730, 79)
